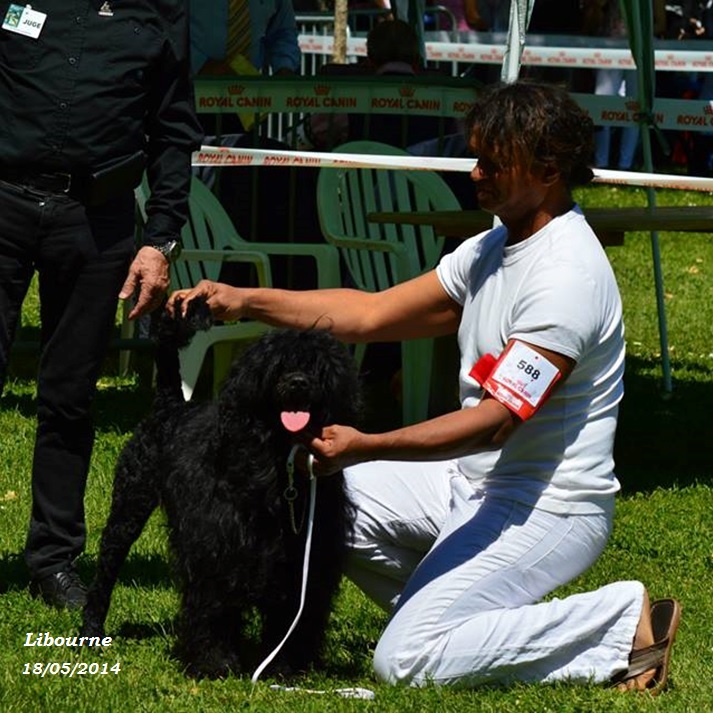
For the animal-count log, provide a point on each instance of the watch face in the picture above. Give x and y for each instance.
(171, 249)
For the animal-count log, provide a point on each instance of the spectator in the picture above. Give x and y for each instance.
(90, 96)
(700, 27)
(242, 37)
(269, 45)
(392, 49)
(603, 18)
(494, 14)
(685, 21)
(554, 17)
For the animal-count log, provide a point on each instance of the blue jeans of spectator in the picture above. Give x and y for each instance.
(616, 82)
(81, 256)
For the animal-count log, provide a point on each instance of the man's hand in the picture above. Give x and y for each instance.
(149, 276)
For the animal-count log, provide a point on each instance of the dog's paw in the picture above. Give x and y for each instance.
(212, 670)
(89, 631)
(198, 314)
(212, 665)
(180, 328)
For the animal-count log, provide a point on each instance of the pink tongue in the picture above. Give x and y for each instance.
(294, 420)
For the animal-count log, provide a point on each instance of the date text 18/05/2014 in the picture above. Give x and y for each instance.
(76, 668)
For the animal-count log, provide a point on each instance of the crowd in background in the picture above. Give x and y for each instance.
(277, 51)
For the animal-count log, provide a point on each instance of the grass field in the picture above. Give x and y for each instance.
(663, 533)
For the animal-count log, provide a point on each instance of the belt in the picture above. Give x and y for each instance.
(37, 181)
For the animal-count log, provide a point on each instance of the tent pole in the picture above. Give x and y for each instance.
(639, 20)
(658, 272)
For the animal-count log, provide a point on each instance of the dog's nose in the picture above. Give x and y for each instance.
(295, 388)
(297, 381)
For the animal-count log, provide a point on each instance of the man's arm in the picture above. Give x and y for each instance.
(282, 50)
(173, 133)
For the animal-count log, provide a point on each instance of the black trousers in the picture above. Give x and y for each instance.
(81, 256)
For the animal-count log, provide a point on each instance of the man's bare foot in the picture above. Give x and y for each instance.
(643, 637)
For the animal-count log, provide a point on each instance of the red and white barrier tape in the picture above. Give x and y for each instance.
(670, 60)
(224, 156)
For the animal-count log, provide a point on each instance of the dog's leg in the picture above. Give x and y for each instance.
(278, 609)
(209, 632)
(133, 501)
(305, 646)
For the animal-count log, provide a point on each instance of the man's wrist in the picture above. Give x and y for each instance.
(170, 249)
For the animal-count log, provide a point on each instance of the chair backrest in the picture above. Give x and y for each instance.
(394, 253)
(208, 228)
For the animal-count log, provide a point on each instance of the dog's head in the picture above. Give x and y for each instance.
(290, 380)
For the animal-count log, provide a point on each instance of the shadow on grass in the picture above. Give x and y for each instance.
(662, 441)
(146, 571)
(118, 409)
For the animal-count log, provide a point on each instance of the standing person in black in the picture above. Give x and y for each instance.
(92, 92)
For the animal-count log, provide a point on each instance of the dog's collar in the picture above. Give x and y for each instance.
(291, 493)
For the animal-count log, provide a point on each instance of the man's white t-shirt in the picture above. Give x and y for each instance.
(556, 290)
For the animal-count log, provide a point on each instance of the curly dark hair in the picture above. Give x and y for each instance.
(524, 122)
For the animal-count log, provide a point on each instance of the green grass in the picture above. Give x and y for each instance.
(663, 533)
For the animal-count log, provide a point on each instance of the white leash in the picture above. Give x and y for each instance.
(290, 496)
(308, 547)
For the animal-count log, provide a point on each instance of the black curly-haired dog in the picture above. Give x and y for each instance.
(218, 469)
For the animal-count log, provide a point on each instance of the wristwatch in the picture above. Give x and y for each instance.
(170, 249)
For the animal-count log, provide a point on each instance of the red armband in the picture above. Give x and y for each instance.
(521, 378)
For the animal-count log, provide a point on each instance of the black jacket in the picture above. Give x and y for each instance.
(103, 81)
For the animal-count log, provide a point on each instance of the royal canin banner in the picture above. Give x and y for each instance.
(273, 95)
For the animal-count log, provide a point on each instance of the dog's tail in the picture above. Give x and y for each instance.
(173, 332)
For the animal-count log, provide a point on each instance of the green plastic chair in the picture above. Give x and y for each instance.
(209, 241)
(381, 255)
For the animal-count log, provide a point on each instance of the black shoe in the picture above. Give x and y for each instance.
(64, 590)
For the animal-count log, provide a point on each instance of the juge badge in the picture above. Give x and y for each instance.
(105, 10)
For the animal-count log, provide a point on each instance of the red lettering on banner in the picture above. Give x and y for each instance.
(424, 104)
(386, 103)
(340, 102)
(215, 102)
(690, 120)
(306, 161)
(253, 102)
(610, 115)
(220, 157)
(302, 102)
(461, 107)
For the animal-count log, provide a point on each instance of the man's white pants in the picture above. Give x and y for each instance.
(463, 574)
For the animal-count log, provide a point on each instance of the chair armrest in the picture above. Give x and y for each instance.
(254, 257)
(326, 257)
(382, 246)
